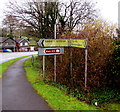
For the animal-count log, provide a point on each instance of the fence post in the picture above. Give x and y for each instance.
(32, 60)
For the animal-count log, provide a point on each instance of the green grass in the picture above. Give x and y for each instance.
(114, 107)
(4, 66)
(56, 98)
(32, 42)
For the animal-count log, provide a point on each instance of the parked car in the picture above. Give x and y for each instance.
(7, 50)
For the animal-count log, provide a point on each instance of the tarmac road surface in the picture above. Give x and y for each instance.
(17, 93)
(8, 56)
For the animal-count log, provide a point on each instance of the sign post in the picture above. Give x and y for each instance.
(86, 54)
(71, 73)
(86, 58)
(43, 66)
(55, 36)
(71, 65)
(80, 43)
(49, 51)
(55, 77)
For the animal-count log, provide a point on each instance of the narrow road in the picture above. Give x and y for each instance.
(17, 93)
(8, 56)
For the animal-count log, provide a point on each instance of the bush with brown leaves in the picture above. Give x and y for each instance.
(100, 48)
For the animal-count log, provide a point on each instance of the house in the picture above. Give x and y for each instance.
(15, 44)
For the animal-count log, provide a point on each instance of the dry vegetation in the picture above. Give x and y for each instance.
(100, 48)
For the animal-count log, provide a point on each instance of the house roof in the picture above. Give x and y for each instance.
(21, 39)
(3, 39)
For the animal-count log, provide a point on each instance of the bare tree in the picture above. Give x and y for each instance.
(9, 22)
(3, 32)
(38, 17)
(76, 13)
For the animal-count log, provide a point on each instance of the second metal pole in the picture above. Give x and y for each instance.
(86, 54)
(55, 78)
(71, 66)
(43, 66)
(55, 36)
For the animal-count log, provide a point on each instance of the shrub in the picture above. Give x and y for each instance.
(113, 69)
(100, 48)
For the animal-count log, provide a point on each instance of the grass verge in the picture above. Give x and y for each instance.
(56, 98)
(4, 66)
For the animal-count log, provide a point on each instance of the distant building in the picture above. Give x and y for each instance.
(15, 44)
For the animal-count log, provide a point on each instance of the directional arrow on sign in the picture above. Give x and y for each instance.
(40, 43)
(81, 43)
(54, 43)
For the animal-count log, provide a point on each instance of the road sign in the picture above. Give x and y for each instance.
(81, 43)
(54, 42)
(50, 51)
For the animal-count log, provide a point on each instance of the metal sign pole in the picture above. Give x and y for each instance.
(71, 74)
(86, 55)
(55, 55)
(55, 78)
(71, 65)
(55, 63)
(43, 66)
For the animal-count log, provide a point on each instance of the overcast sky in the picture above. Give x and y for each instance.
(108, 9)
